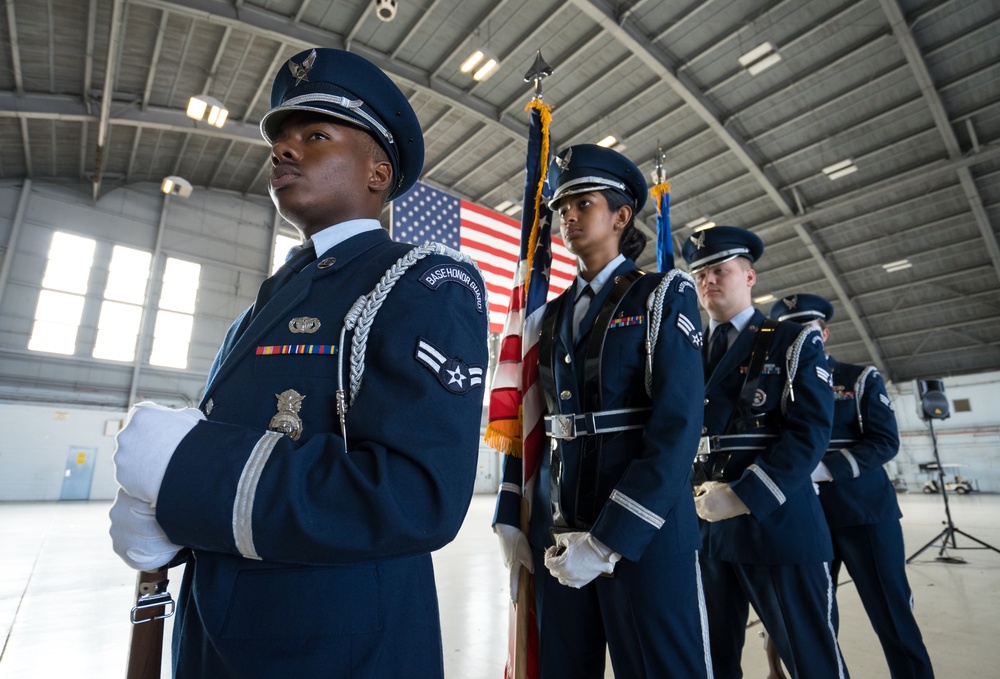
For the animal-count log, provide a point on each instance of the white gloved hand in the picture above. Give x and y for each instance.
(579, 558)
(146, 444)
(136, 536)
(516, 552)
(716, 501)
(821, 473)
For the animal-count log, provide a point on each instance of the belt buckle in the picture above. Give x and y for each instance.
(563, 427)
(704, 449)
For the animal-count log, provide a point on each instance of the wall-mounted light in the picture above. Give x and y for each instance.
(201, 104)
(761, 57)
(177, 186)
(841, 169)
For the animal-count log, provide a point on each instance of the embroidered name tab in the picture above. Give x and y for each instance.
(623, 321)
(281, 349)
(453, 273)
(452, 373)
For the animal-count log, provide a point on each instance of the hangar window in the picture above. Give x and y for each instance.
(175, 317)
(60, 302)
(121, 311)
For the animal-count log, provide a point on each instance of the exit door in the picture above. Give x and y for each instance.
(79, 473)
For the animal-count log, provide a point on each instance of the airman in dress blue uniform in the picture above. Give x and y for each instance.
(336, 445)
(768, 414)
(859, 500)
(613, 534)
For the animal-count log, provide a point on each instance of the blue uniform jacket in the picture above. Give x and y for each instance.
(642, 490)
(864, 438)
(770, 464)
(312, 556)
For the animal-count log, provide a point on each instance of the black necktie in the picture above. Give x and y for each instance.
(717, 347)
(298, 258)
(579, 311)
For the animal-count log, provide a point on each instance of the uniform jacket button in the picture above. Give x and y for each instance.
(565, 394)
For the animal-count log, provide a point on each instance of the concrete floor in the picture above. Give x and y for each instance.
(65, 596)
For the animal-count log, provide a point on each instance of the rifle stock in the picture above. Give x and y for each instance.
(152, 605)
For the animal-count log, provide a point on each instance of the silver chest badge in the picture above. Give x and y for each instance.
(287, 420)
(304, 324)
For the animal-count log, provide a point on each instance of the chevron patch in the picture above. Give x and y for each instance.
(453, 373)
(689, 330)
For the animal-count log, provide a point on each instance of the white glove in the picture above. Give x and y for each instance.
(136, 536)
(146, 444)
(716, 501)
(516, 552)
(821, 473)
(578, 558)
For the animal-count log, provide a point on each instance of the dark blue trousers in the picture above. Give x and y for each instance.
(650, 615)
(876, 562)
(796, 605)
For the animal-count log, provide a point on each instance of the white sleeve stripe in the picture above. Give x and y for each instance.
(628, 503)
(855, 469)
(246, 490)
(829, 619)
(510, 488)
(769, 482)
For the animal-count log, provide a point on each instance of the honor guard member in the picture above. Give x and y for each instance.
(613, 534)
(859, 500)
(337, 442)
(768, 413)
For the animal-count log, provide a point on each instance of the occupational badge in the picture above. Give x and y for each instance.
(453, 373)
(304, 324)
(287, 420)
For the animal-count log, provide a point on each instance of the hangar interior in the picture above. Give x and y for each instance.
(859, 138)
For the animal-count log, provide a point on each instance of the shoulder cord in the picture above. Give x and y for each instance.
(654, 306)
(362, 314)
(792, 364)
(859, 392)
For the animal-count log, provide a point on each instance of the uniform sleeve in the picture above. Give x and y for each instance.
(658, 479)
(804, 433)
(402, 483)
(879, 435)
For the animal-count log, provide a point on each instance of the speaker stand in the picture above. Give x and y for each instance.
(948, 534)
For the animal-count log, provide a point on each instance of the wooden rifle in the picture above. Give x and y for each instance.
(153, 604)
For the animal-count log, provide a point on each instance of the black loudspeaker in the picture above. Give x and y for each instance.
(932, 404)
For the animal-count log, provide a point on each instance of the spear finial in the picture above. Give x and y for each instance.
(537, 72)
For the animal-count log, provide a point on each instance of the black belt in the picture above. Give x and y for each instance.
(568, 427)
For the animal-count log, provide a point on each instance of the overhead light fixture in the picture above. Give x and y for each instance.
(484, 71)
(761, 57)
(608, 141)
(385, 10)
(471, 61)
(700, 224)
(201, 104)
(177, 186)
(898, 265)
(503, 205)
(512, 210)
(841, 169)
(763, 298)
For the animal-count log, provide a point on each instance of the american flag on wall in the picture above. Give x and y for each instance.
(491, 238)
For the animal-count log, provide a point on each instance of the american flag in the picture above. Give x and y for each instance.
(491, 238)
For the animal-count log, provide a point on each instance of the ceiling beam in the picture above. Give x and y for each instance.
(908, 44)
(15, 48)
(110, 75)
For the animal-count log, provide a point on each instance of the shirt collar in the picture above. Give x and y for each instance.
(336, 234)
(601, 278)
(739, 321)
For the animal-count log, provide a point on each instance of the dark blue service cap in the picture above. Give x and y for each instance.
(720, 244)
(589, 167)
(802, 308)
(343, 85)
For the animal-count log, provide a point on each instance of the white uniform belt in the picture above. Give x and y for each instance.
(836, 445)
(569, 426)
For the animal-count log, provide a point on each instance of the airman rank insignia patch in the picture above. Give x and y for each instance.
(688, 329)
(453, 272)
(885, 400)
(453, 373)
(824, 375)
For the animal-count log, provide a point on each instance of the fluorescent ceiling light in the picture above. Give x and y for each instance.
(761, 57)
(898, 265)
(762, 299)
(500, 207)
(841, 169)
(700, 224)
(485, 70)
(176, 185)
(608, 141)
(512, 210)
(471, 61)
